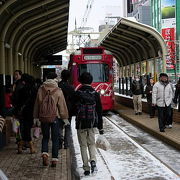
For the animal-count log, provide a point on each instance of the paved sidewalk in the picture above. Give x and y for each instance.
(170, 136)
(29, 166)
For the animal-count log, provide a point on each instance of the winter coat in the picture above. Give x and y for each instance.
(58, 97)
(68, 92)
(177, 96)
(99, 124)
(162, 94)
(137, 87)
(25, 99)
(18, 85)
(148, 92)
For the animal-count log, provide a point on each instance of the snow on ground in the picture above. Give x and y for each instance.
(102, 170)
(126, 159)
(163, 151)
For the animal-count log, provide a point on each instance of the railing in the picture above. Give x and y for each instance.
(125, 84)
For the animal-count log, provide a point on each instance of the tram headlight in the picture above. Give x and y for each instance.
(102, 92)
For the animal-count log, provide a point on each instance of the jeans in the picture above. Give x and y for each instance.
(54, 136)
(164, 113)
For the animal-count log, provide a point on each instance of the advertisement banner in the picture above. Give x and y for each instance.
(168, 11)
(169, 37)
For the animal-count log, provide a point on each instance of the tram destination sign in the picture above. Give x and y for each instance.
(92, 57)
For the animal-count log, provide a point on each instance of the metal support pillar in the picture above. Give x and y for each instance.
(21, 63)
(135, 72)
(155, 70)
(2, 58)
(140, 68)
(10, 62)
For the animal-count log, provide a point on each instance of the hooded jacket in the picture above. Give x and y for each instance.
(58, 97)
(162, 94)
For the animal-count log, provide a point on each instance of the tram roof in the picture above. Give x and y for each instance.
(40, 26)
(132, 42)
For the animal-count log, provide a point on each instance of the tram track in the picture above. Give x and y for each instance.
(136, 143)
(106, 164)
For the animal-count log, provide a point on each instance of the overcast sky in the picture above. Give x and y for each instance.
(100, 9)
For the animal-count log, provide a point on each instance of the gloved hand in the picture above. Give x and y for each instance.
(66, 122)
(101, 131)
(37, 122)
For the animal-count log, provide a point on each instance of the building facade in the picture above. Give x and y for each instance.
(166, 19)
(140, 10)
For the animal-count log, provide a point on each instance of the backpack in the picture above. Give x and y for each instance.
(47, 110)
(86, 110)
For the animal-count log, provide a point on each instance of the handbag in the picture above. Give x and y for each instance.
(15, 125)
(36, 132)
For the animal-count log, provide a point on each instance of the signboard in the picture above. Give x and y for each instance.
(169, 36)
(168, 11)
(92, 57)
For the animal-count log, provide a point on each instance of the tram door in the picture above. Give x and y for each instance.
(46, 71)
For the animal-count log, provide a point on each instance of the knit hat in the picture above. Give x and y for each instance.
(163, 74)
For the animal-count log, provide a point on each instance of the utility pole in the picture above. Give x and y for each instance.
(81, 36)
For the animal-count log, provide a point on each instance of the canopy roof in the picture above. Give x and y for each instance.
(34, 28)
(132, 42)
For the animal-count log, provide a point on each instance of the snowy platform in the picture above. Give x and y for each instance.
(125, 160)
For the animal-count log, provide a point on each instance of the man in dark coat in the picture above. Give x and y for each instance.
(86, 122)
(177, 95)
(137, 91)
(24, 110)
(148, 91)
(68, 92)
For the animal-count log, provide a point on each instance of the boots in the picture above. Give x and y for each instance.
(45, 159)
(54, 162)
(31, 146)
(20, 146)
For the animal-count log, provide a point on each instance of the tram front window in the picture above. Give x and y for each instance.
(100, 72)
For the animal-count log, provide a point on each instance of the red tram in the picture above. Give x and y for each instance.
(99, 63)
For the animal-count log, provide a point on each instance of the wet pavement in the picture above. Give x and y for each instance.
(29, 166)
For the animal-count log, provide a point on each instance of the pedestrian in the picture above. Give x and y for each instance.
(17, 85)
(68, 92)
(24, 111)
(148, 92)
(88, 118)
(49, 106)
(176, 99)
(137, 91)
(170, 119)
(38, 83)
(162, 97)
(17, 79)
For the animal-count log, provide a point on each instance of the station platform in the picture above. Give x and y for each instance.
(150, 125)
(29, 166)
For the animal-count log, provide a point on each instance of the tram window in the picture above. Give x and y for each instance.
(100, 72)
(92, 51)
